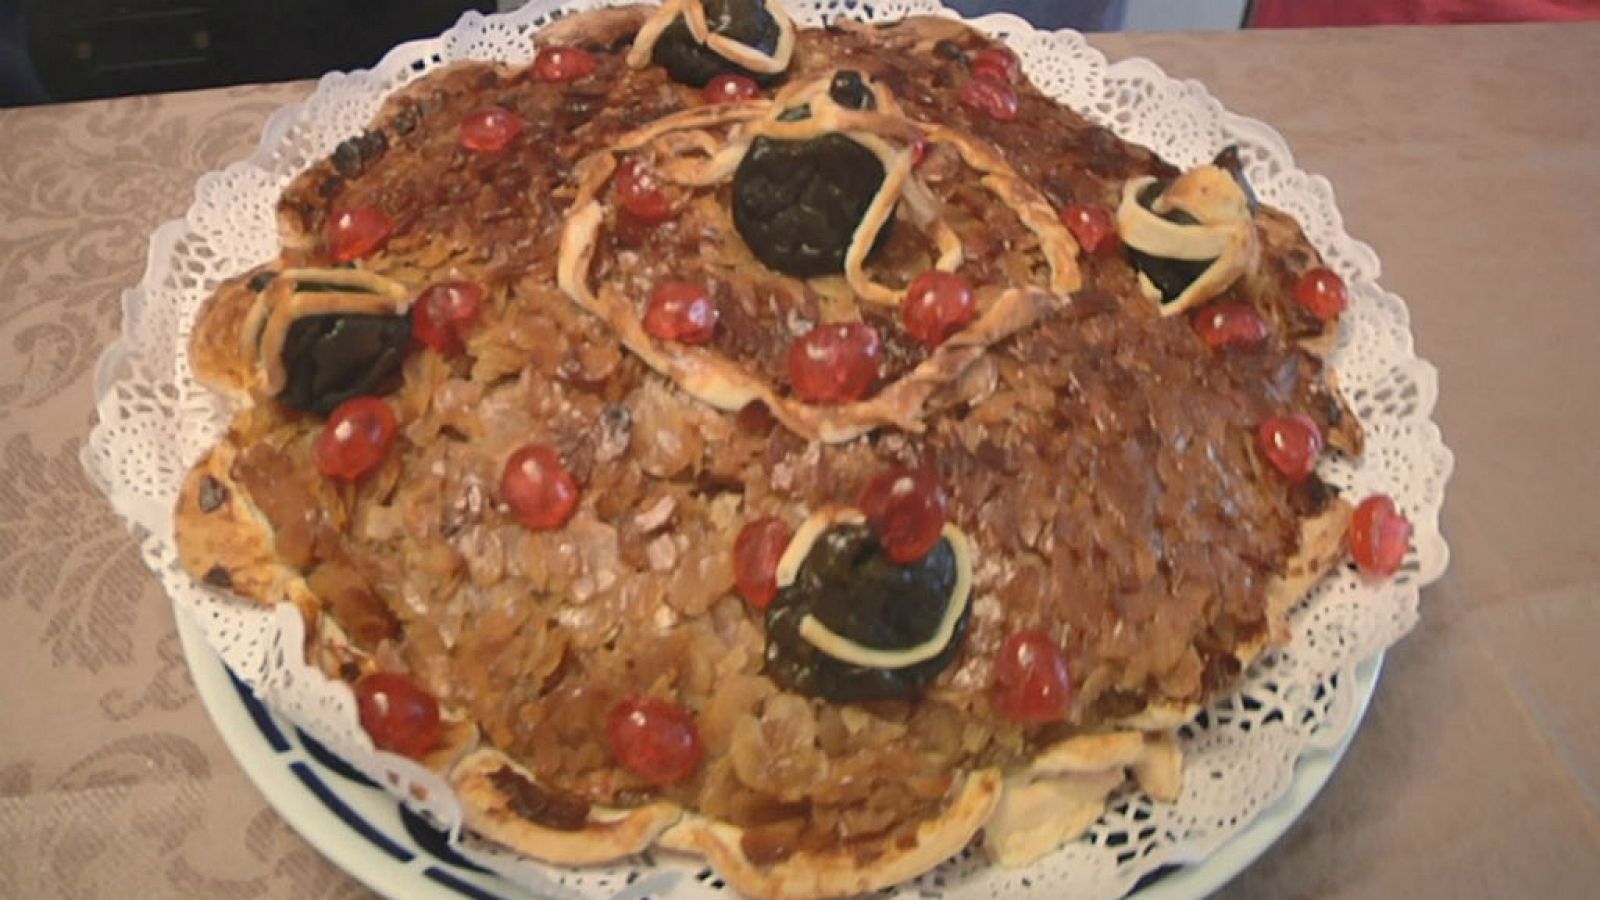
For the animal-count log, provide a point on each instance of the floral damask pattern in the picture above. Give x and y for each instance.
(112, 782)
(87, 583)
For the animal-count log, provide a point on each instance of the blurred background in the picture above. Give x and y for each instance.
(62, 50)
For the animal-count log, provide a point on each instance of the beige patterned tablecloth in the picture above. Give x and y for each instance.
(1469, 157)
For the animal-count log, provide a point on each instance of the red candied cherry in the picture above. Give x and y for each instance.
(919, 151)
(1031, 682)
(1379, 535)
(398, 715)
(357, 231)
(656, 740)
(490, 129)
(1230, 323)
(1292, 444)
(444, 313)
(563, 63)
(730, 88)
(1322, 292)
(356, 438)
(907, 509)
(537, 486)
(756, 552)
(937, 305)
(1093, 227)
(640, 192)
(837, 363)
(997, 64)
(995, 99)
(681, 311)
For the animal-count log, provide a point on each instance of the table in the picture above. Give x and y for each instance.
(1469, 157)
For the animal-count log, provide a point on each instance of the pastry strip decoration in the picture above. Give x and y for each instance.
(694, 157)
(1190, 240)
(695, 46)
(365, 314)
(850, 624)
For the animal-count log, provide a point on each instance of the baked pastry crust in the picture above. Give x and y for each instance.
(345, 554)
(845, 871)
(609, 834)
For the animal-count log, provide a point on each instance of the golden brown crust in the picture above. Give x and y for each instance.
(605, 27)
(1160, 772)
(215, 356)
(1346, 434)
(1089, 753)
(460, 738)
(608, 835)
(223, 539)
(843, 872)
(1282, 236)
(1322, 547)
(1038, 815)
(1064, 790)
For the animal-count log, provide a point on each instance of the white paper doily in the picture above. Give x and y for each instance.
(154, 421)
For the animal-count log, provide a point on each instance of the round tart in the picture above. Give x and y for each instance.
(809, 449)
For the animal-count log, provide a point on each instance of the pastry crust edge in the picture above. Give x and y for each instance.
(611, 834)
(840, 871)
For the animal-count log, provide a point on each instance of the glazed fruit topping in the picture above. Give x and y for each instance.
(730, 88)
(640, 192)
(563, 63)
(682, 311)
(356, 439)
(1323, 293)
(399, 716)
(1031, 682)
(756, 552)
(688, 61)
(490, 129)
(1093, 227)
(537, 486)
(835, 363)
(336, 357)
(654, 739)
(798, 204)
(907, 509)
(1292, 444)
(848, 585)
(995, 99)
(355, 232)
(997, 64)
(1379, 536)
(937, 305)
(1229, 323)
(444, 313)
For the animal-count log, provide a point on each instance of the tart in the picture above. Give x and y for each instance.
(808, 449)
